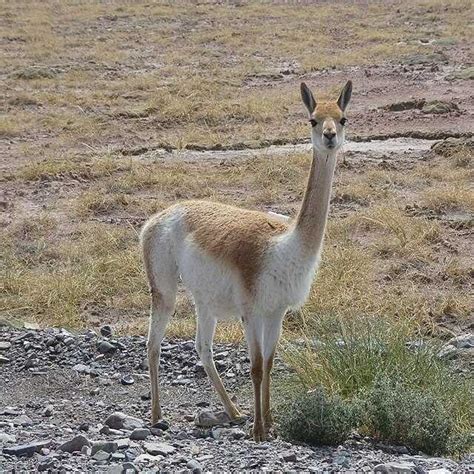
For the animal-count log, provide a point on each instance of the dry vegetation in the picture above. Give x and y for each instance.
(78, 263)
(79, 74)
(85, 80)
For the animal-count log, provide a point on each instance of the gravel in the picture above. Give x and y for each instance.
(64, 408)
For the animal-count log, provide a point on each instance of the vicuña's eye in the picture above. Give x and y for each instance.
(343, 121)
(313, 123)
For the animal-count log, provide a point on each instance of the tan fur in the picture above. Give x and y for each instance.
(324, 110)
(237, 236)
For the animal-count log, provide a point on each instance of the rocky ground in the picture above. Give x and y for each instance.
(80, 403)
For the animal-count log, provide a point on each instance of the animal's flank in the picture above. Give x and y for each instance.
(238, 237)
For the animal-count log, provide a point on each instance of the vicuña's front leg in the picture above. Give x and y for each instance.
(271, 335)
(253, 333)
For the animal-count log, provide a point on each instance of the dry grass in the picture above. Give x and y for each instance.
(86, 84)
(86, 269)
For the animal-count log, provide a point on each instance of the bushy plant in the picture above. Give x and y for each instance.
(410, 395)
(419, 418)
(317, 418)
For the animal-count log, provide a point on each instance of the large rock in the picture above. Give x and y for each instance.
(75, 444)
(121, 421)
(26, 449)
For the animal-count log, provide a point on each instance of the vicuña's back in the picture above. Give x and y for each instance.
(243, 264)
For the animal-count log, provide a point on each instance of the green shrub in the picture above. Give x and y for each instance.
(410, 395)
(318, 419)
(421, 419)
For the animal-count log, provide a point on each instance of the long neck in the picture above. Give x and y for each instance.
(311, 220)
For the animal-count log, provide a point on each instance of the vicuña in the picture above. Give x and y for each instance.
(243, 264)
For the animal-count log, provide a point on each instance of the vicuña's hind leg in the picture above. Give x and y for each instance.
(206, 327)
(161, 310)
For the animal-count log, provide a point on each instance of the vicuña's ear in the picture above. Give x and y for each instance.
(308, 98)
(345, 96)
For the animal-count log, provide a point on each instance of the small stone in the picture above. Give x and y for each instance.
(395, 468)
(48, 410)
(101, 456)
(106, 347)
(129, 467)
(11, 411)
(140, 434)
(465, 341)
(86, 450)
(159, 448)
(74, 444)
(121, 421)
(23, 420)
(118, 456)
(46, 464)
(127, 380)
(105, 430)
(106, 331)
(106, 446)
(26, 449)
(114, 469)
(289, 456)
(145, 396)
(31, 326)
(84, 426)
(131, 454)
(162, 425)
(439, 107)
(238, 433)
(194, 466)
(6, 438)
(4, 345)
(147, 458)
(441, 470)
(4, 360)
(206, 419)
(448, 352)
(82, 368)
(122, 443)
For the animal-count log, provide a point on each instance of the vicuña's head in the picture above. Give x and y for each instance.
(327, 118)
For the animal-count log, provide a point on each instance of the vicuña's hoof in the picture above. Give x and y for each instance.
(258, 433)
(239, 419)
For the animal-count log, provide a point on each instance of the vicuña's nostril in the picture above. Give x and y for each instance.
(329, 135)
